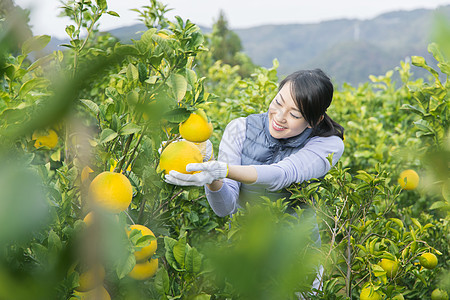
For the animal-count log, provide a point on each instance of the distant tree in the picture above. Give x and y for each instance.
(225, 45)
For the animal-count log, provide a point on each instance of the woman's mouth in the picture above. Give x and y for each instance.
(276, 126)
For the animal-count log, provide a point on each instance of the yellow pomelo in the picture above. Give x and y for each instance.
(144, 270)
(369, 293)
(99, 293)
(439, 294)
(408, 179)
(196, 128)
(147, 251)
(91, 217)
(91, 278)
(111, 191)
(390, 266)
(428, 260)
(177, 155)
(50, 140)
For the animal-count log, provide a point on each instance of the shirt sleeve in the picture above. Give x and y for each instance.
(223, 202)
(307, 163)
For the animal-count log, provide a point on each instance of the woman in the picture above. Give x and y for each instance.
(262, 154)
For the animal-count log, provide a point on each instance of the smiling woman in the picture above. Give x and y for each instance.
(265, 153)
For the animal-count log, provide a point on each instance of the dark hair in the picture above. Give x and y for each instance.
(312, 91)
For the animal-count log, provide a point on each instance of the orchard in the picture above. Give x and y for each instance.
(88, 133)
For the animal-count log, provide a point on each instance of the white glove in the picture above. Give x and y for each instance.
(209, 171)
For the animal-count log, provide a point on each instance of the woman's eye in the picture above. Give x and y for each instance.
(276, 101)
(296, 117)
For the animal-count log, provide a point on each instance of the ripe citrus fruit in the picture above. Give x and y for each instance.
(428, 260)
(91, 278)
(177, 155)
(196, 128)
(390, 266)
(439, 294)
(111, 191)
(144, 270)
(368, 293)
(50, 140)
(91, 217)
(408, 179)
(99, 293)
(147, 251)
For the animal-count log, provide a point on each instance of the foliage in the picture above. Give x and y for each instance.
(112, 105)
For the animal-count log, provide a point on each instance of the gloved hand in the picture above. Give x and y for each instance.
(209, 171)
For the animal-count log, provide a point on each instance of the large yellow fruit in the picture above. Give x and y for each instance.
(368, 293)
(408, 179)
(91, 278)
(111, 191)
(428, 260)
(144, 270)
(99, 293)
(145, 252)
(50, 140)
(390, 266)
(177, 155)
(439, 294)
(196, 128)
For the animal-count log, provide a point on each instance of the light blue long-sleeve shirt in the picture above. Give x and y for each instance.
(307, 163)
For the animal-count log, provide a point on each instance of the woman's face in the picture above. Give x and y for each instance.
(285, 119)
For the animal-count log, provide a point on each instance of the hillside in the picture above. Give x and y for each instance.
(348, 50)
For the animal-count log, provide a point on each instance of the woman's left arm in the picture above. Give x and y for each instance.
(309, 162)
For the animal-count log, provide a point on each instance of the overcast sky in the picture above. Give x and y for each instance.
(239, 13)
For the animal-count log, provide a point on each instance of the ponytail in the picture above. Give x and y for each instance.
(328, 127)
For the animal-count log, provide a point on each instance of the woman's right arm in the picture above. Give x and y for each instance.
(222, 194)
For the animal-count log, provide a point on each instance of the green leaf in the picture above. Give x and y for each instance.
(439, 205)
(417, 223)
(35, 83)
(54, 242)
(126, 50)
(162, 283)
(178, 84)
(142, 72)
(112, 93)
(35, 43)
(179, 251)
(378, 271)
(169, 245)
(125, 266)
(129, 129)
(193, 261)
(132, 73)
(107, 135)
(177, 115)
(41, 61)
(102, 4)
(112, 13)
(397, 221)
(92, 106)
